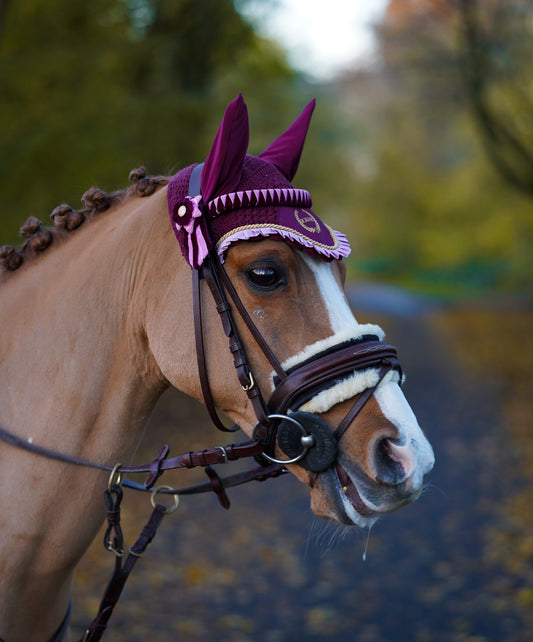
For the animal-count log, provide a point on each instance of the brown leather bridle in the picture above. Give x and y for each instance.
(292, 387)
(305, 438)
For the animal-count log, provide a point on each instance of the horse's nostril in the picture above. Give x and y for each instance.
(393, 463)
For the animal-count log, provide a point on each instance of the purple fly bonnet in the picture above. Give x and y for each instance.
(234, 196)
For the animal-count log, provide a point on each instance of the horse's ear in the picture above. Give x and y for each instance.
(222, 169)
(286, 150)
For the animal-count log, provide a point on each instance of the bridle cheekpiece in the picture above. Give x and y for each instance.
(234, 197)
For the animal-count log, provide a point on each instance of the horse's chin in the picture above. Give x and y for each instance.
(344, 498)
(330, 501)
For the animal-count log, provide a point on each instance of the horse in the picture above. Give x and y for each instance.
(96, 318)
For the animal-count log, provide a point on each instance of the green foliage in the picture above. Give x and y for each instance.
(394, 156)
(433, 212)
(93, 89)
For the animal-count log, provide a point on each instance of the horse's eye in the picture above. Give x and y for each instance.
(265, 277)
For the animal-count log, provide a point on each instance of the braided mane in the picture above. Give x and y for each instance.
(65, 219)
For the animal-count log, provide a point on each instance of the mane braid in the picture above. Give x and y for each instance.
(66, 219)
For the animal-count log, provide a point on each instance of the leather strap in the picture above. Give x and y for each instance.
(265, 348)
(195, 190)
(358, 405)
(208, 457)
(260, 473)
(120, 575)
(334, 365)
(200, 355)
(211, 271)
(195, 180)
(122, 568)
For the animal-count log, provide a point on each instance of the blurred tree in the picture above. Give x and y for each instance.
(428, 208)
(497, 50)
(92, 89)
(3, 9)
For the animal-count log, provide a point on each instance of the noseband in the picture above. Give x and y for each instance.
(304, 437)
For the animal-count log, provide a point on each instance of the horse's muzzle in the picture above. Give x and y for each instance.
(304, 437)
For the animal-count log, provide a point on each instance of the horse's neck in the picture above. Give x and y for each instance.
(72, 344)
(76, 376)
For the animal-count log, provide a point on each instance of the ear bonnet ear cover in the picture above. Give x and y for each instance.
(243, 196)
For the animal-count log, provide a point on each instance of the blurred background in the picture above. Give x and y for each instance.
(421, 150)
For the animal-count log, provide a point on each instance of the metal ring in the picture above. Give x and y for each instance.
(305, 445)
(115, 478)
(174, 505)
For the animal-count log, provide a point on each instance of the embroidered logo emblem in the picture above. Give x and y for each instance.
(307, 221)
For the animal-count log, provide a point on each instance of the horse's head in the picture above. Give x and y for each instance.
(317, 387)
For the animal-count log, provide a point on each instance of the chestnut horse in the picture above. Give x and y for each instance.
(94, 329)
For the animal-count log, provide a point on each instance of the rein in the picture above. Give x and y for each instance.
(113, 538)
(304, 438)
(203, 458)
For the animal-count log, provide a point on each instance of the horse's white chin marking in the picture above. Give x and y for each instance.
(355, 516)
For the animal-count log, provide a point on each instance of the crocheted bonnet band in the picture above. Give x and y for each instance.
(234, 197)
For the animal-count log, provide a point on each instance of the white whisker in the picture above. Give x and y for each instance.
(326, 535)
(430, 487)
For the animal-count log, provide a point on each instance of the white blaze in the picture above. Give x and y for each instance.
(344, 327)
(412, 444)
(343, 324)
(340, 315)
